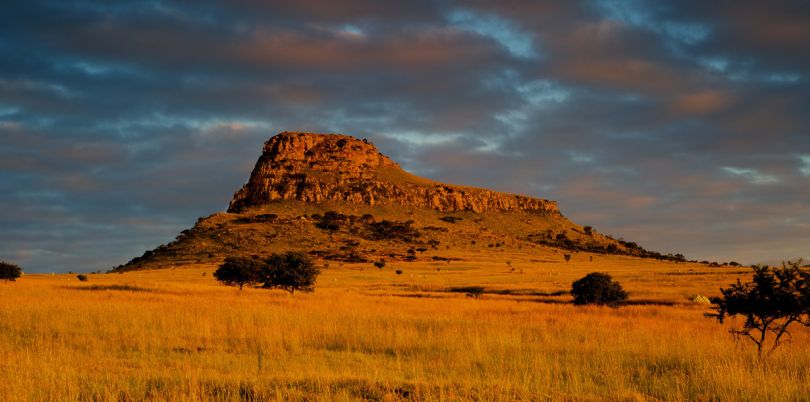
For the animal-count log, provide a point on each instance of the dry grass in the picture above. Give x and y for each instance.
(368, 334)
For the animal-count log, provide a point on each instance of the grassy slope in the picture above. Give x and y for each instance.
(224, 234)
(370, 334)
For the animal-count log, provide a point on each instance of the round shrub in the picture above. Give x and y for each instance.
(597, 288)
(290, 271)
(9, 272)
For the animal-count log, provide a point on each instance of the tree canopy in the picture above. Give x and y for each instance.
(288, 271)
(597, 288)
(239, 271)
(773, 301)
(9, 272)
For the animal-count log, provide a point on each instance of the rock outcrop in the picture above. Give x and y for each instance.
(339, 199)
(320, 167)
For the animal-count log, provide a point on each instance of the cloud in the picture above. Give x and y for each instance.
(702, 102)
(805, 168)
(519, 44)
(751, 175)
(682, 126)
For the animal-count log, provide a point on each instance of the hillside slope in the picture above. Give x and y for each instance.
(338, 198)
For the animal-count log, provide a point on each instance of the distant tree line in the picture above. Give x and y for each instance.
(367, 227)
(561, 240)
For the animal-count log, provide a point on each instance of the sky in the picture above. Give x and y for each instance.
(683, 126)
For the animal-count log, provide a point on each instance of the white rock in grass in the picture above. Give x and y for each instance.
(700, 299)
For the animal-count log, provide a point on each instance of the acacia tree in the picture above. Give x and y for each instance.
(289, 271)
(9, 272)
(239, 271)
(770, 304)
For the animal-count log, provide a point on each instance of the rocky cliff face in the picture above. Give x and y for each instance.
(319, 167)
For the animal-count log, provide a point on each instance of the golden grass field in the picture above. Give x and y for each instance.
(176, 334)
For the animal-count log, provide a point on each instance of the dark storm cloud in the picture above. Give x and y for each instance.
(682, 126)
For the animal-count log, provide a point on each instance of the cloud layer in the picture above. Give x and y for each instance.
(682, 127)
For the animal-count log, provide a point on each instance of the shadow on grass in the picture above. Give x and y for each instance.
(168, 388)
(528, 295)
(625, 303)
(505, 292)
(647, 302)
(122, 288)
(423, 295)
(718, 272)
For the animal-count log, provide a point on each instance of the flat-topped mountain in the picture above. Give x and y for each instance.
(330, 167)
(338, 198)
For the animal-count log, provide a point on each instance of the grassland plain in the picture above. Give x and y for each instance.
(176, 334)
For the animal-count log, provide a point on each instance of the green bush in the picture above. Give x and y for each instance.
(9, 272)
(597, 288)
(289, 271)
(331, 221)
(393, 230)
(239, 271)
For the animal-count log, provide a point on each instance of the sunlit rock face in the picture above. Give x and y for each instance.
(312, 167)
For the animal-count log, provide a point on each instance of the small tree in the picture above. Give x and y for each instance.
(567, 258)
(773, 301)
(239, 271)
(290, 271)
(379, 264)
(9, 272)
(597, 288)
